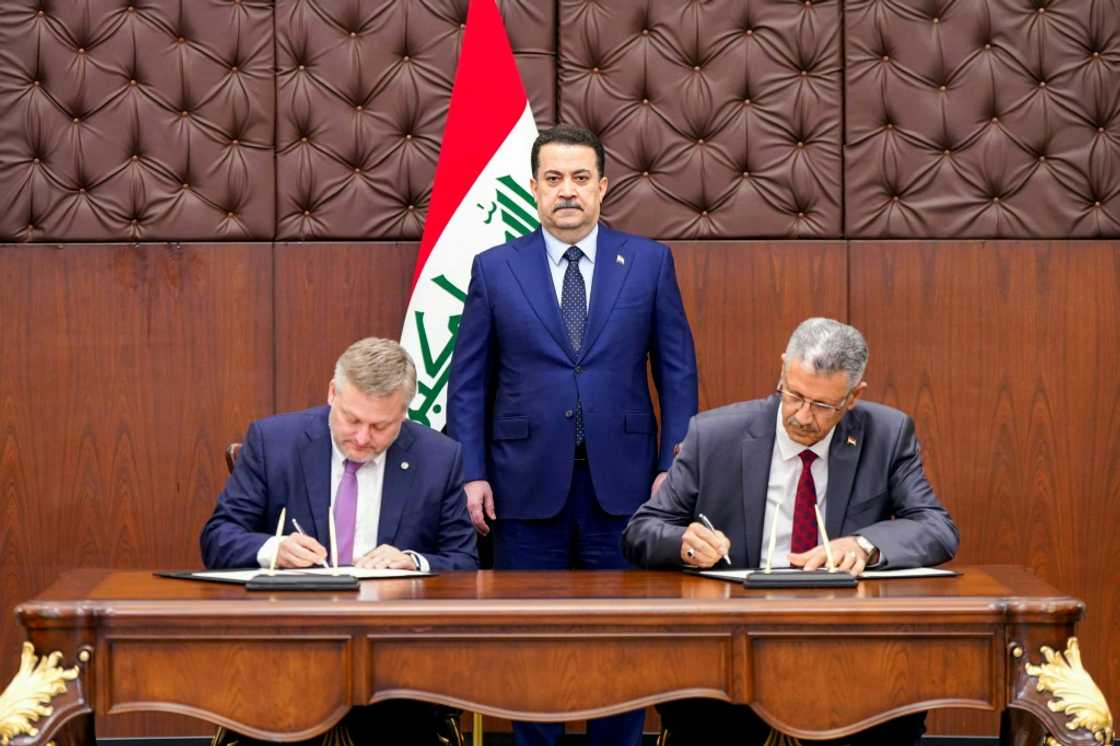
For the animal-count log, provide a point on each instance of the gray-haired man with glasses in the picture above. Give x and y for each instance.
(756, 465)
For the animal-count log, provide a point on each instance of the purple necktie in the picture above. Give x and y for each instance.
(346, 511)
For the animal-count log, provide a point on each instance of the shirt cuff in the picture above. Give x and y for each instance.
(268, 551)
(420, 560)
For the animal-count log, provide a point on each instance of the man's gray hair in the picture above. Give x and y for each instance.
(825, 347)
(377, 367)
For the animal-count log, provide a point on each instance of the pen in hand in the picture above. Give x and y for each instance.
(708, 524)
(295, 523)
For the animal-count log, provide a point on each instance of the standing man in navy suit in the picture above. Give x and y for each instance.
(406, 510)
(549, 393)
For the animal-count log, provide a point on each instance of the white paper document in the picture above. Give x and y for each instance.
(914, 572)
(245, 576)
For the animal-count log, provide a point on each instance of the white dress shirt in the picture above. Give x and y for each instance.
(558, 265)
(781, 489)
(371, 478)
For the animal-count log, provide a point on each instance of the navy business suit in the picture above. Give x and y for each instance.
(515, 379)
(285, 462)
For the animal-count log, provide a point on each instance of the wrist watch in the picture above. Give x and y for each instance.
(867, 546)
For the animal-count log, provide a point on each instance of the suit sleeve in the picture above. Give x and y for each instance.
(922, 532)
(457, 549)
(673, 362)
(234, 533)
(469, 388)
(653, 536)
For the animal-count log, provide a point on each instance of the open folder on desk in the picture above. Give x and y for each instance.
(914, 572)
(242, 577)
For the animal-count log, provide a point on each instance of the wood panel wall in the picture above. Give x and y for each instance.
(127, 368)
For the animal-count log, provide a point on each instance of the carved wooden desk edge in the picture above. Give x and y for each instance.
(1056, 690)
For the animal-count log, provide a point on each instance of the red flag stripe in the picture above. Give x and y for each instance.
(487, 99)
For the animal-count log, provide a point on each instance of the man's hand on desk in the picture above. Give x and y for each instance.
(298, 550)
(386, 557)
(702, 547)
(480, 498)
(848, 555)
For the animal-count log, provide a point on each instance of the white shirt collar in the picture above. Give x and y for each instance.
(556, 248)
(789, 449)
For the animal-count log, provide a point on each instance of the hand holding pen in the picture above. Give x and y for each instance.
(300, 550)
(703, 545)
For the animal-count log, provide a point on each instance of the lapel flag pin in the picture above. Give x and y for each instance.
(619, 259)
(851, 440)
(404, 465)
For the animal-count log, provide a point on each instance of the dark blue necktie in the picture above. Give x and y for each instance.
(573, 307)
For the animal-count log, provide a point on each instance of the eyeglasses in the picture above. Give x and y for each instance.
(823, 409)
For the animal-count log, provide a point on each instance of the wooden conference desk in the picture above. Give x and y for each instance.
(555, 646)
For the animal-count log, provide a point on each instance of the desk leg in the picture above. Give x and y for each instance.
(45, 703)
(1054, 703)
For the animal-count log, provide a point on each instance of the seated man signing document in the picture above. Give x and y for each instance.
(395, 487)
(753, 466)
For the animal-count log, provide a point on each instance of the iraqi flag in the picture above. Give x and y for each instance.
(480, 198)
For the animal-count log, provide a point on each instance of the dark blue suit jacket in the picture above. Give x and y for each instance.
(515, 379)
(285, 462)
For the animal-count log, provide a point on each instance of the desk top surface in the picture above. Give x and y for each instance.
(995, 593)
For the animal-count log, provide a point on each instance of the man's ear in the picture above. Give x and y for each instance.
(857, 393)
(330, 392)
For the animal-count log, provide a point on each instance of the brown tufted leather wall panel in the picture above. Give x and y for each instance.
(143, 121)
(721, 119)
(991, 118)
(362, 93)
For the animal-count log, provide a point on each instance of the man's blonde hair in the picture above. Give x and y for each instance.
(377, 367)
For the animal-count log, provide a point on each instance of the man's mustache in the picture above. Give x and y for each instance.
(567, 204)
(811, 429)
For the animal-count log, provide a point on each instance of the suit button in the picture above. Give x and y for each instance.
(568, 414)
(579, 369)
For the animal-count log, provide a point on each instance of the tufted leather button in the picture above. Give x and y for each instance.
(946, 151)
(181, 40)
(942, 88)
(307, 213)
(132, 82)
(936, 19)
(408, 137)
(804, 73)
(411, 208)
(1041, 158)
(81, 50)
(595, 71)
(81, 190)
(1095, 55)
(645, 173)
(359, 107)
(995, 120)
(1042, 10)
(131, 9)
(303, 139)
(645, 101)
(746, 102)
(700, 141)
(885, 58)
(184, 114)
(35, 83)
(800, 214)
(30, 227)
(40, 13)
(406, 58)
(696, 68)
(462, 27)
(233, 69)
(889, 125)
(800, 144)
(645, 32)
(134, 158)
(995, 199)
(35, 161)
(231, 214)
(357, 170)
(1042, 84)
(746, 174)
(987, 46)
(134, 221)
(75, 120)
(234, 142)
(353, 34)
(303, 67)
(1097, 203)
(186, 186)
(1100, 130)
(749, 32)
(703, 213)
(894, 198)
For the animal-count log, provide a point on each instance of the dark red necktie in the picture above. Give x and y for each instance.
(804, 534)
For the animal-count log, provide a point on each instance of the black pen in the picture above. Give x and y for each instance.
(712, 528)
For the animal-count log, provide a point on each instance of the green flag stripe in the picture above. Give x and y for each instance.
(514, 224)
(517, 189)
(517, 210)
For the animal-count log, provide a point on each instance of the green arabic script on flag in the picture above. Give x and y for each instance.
(517, 212)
